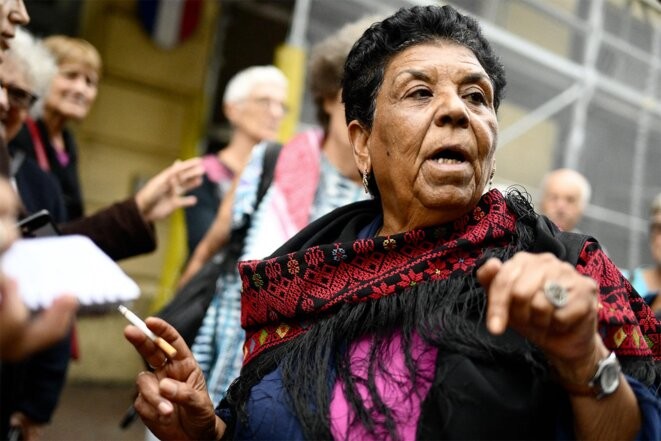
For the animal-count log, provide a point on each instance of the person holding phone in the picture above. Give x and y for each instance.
(30, 387)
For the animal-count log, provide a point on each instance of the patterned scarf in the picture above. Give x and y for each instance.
(282, 296)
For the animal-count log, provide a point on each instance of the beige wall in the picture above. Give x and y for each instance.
(148, 113)
(527, 158)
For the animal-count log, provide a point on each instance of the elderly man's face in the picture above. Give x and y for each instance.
(563, 202)
(432, 142)
(12, 14)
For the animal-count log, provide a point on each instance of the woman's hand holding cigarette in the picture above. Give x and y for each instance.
(173, 401)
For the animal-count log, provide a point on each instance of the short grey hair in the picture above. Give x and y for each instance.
(655, 208)
(241, 84)
(37, 63)
(584, 184)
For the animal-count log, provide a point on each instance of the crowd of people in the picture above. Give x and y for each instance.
(36, 349)
(374, 285)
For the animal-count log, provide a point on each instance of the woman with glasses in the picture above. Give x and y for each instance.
(30, 389)
(254, 105)
(70, 97)
(23, 82)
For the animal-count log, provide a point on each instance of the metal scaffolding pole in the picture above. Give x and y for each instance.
(538, 115)
(576, 138)
(641, 147)
(566, 67)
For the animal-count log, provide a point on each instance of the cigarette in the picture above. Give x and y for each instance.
(137, 321)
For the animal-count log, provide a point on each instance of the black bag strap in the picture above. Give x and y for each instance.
(237, 238)
(268, 169)
(187, 308)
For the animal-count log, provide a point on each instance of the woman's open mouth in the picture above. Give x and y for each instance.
(449, 156)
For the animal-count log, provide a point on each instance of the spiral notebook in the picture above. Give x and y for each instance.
(45, 268)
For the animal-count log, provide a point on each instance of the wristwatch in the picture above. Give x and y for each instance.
(604, 382)
(607, 378)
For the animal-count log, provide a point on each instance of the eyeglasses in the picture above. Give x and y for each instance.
(270, 103)
(18, 97)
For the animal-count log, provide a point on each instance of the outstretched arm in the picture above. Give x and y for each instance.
(567, 334)
(124, 229)
(166, 191)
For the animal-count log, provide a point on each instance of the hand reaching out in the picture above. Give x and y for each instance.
(166, 192)
(567, 334)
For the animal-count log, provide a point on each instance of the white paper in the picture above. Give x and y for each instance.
(45, 268)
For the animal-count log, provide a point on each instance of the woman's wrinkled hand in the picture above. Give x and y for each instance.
(172, 401)
(566, 333)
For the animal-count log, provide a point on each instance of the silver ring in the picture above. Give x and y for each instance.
(556, 294)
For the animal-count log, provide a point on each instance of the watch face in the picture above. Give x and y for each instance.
(610, 378)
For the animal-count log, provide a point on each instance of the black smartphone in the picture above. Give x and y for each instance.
(39, 224)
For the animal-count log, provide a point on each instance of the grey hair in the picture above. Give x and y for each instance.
(584, 184)
(37, 63)
(241, 84)
(655, 208)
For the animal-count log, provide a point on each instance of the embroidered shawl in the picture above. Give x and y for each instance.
(322, 267)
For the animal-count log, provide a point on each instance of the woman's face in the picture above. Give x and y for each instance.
(72, 91)
(260, 115)
(433, 138)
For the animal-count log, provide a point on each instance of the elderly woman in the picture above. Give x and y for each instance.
(30, 389)
(254, 104)
(72, 92)
(433, 310)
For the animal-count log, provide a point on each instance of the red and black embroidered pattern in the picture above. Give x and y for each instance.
(282, 296)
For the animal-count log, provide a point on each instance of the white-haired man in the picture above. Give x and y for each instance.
(564, 195)
(254, 104)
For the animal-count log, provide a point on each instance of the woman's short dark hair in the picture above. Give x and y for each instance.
(365, 65)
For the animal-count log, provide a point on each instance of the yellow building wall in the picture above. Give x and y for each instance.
(149, 112)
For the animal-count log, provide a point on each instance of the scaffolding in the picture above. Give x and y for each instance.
(601, 91)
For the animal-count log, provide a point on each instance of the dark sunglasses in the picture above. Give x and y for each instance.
(655, 228)
(18, 97)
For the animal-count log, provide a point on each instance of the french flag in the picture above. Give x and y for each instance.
(169, 22)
